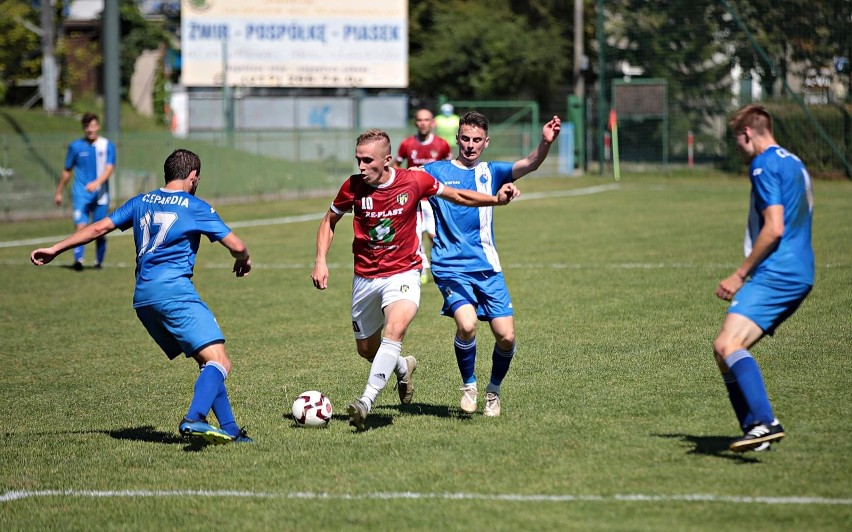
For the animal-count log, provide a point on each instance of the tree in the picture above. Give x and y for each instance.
(137, 35)
(796, 35)
(483, 50)
(20, 44)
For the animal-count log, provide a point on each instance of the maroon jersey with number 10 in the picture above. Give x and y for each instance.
(386, 240)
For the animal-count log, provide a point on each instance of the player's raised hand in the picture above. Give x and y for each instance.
(507, 193)
(551, 129)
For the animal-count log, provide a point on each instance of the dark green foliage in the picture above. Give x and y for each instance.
(794, 130)
(137, 35)
(478, 50)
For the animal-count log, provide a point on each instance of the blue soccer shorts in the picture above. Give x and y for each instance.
(486, 291)
(768, 304)
(180, 326)
(84, 211)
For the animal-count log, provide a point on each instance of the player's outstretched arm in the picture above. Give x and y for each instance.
(507, 193)
(471, 198)
(238, 249)
(325, 234)
(532, 161)
(43, 256)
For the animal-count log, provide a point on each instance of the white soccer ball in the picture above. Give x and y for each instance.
(312, 409)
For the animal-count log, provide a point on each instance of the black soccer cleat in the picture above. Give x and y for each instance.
(757, 435)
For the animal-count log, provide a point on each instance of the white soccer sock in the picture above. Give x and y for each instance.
(384, 363)
(401, 367)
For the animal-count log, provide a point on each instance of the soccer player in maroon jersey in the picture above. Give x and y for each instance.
(422, 148)
(386, 285)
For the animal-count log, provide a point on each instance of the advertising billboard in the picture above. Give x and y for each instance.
(295, 43)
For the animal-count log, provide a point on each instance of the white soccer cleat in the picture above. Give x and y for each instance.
(492, 405)
(468, 399)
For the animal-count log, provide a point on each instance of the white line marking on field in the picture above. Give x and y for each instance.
(316, 216)
(509, 266)
(244, 223)
(10, 496)
(568, 193)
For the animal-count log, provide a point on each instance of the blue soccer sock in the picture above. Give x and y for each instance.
(738, 400)
(78, 254)
(466, 358)
(223, 412)
(100, 250)
(207, 385)
(500, 362)
(750, 381)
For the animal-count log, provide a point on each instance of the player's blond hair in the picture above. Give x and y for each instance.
(374, 135)
(753, 116)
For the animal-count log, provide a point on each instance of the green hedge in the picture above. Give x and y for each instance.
(795, 132)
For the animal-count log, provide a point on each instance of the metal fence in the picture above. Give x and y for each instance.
(235, 166)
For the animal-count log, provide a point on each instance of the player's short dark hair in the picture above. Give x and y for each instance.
(180, 164)
(474, 119)
(87, 118)
(753, 116)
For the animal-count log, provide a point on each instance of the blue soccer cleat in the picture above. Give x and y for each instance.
(243, 437)
(203, 430)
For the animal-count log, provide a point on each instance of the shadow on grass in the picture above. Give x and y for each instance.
(423, 409)
(711, 446)
(149, 434)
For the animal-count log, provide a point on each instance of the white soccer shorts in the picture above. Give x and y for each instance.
(370, 296)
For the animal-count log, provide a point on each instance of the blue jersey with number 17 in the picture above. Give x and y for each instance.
(465, 235)
(167, 228)
(780, 178)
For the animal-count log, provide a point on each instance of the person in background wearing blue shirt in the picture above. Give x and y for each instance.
(465, 265)
(168, 224)
(93, 160)
(775, 277)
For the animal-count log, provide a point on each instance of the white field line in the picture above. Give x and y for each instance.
(509, 266)
(10, 496)
(244, 223)
(316, 216)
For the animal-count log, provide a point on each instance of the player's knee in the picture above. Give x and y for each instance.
(214, 353)
(364, 352)
(722, 347)
(506, 345)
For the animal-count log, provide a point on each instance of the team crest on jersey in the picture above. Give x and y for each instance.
(434, 154)
(382, 231)
(402, 199)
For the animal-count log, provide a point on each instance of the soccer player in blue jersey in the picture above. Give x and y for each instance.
(92, 158)
(168, 224)
(465, 264)
(775, 277)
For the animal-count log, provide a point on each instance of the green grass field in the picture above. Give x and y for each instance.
(614, 414)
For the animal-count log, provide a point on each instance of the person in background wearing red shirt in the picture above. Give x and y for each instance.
(386, 285)
(422, 148)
